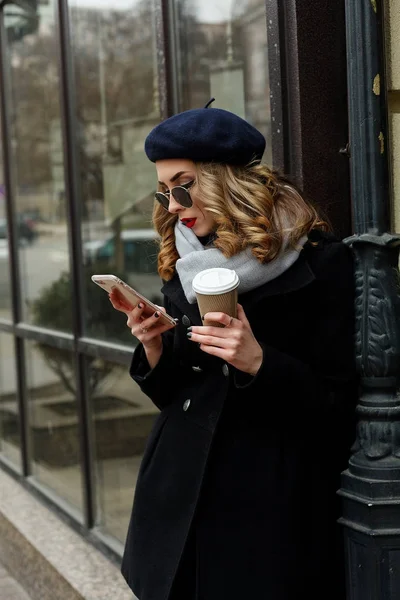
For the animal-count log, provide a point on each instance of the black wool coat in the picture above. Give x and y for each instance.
(236, 495)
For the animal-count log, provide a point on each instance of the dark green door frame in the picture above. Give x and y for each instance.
(314, 104)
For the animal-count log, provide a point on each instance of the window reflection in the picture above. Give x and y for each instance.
(53, 420)
(37, 159)
(122, 418)
(115, 64)
(223, 53)
(5, 284)
(9, 408)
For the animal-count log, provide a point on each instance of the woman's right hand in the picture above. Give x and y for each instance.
(147, 330)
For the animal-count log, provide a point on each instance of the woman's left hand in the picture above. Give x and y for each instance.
(234, 343)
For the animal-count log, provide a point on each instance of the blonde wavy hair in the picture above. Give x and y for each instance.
(252, 206)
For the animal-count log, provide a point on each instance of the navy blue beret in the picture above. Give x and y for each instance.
(206, 135)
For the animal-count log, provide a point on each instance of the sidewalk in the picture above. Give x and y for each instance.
(47, 556)
(10, 589)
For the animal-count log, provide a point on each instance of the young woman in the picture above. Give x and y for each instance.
(236, 496)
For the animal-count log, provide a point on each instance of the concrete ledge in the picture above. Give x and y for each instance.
(47, 557)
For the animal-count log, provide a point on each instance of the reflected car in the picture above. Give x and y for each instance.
(140, 260)
(25, 230)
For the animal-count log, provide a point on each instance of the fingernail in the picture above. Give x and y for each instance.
(189, 329)
(202, 317)
(157, 314)
(140, 305)
(189, 334)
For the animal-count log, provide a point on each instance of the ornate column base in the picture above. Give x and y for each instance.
(371, 520)
(371, 486)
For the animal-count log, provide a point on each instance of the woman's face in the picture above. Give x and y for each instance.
(175, 171)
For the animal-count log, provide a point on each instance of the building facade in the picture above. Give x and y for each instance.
(82, 83)
(392, 31)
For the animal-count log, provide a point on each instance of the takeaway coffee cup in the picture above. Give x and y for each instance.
(216, 291)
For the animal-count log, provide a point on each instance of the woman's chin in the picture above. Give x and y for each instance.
(201, 231)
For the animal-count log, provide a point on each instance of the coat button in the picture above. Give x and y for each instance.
(186, 404)
(197, 369)
(225, 370)
(186, 321)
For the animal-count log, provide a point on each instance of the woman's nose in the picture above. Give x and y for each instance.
(174, 206)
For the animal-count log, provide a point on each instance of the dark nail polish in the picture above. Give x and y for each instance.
(157, 314)
(189, 335)
(140, 305)
(189, 329)
(202, 317)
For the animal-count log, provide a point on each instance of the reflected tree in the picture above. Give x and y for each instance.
(48, 310)
(114, 64)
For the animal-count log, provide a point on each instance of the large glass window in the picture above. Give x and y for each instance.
(37, 161)
(220, 49)
(122, 418)
(223, 53)
(9, 408)
(115, 65)
(53, 420)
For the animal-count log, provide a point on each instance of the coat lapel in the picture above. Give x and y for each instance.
(174, 291)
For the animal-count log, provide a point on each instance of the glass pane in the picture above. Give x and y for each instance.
(122, 417)
(5, 283)
(115, 64)
(53, 420)
(9, 410)
(37, 160)
(5, 287)
(223, 54)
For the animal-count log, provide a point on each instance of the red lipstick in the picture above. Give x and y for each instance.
(189, 222)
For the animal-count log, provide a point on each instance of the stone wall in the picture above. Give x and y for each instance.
(392, 20)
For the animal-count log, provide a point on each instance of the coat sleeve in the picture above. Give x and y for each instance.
(153, 382)
(328, 375)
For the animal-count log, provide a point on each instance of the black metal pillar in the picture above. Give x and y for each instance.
(371, 485)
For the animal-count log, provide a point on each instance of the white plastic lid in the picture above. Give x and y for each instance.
(215, 281)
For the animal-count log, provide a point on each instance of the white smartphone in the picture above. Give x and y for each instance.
(110, 282)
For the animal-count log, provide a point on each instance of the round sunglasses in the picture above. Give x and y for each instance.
(180, 193)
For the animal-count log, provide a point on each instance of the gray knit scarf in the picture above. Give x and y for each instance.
(194, 257)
